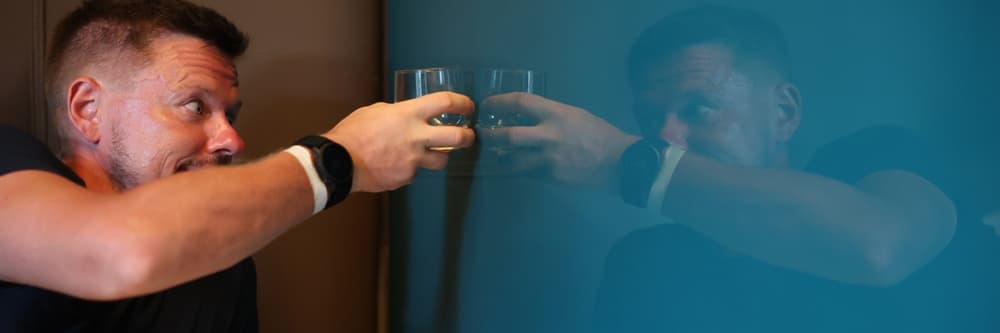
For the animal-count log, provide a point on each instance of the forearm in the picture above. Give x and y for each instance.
(184, 234)
(110, 246)
(808, 223)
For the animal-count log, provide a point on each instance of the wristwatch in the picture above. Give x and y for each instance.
(637, 170)
(333, 164)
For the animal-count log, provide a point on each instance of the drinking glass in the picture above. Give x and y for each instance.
(503, 81)
(413, 83)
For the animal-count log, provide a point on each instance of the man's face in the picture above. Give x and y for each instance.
(174, 114)
(711, 107)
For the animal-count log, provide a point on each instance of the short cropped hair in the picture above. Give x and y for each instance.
(750, 37)
(101, 31)
(747, 34)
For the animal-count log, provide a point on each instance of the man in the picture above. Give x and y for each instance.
(757, 246)
(135, 229)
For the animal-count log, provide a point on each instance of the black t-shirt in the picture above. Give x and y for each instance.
(669, 278)
(221, 302)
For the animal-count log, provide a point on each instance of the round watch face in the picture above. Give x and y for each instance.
(337, 162)
(638, 168)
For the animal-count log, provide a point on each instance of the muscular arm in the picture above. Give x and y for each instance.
(57, 235)
(874, 232)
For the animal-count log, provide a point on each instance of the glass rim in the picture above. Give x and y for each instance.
(430, 70)
(515, 70)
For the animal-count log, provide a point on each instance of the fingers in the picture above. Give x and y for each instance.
(433, 105)
(522, 161)
(449, 136)
(520, 103)
(533, 136)
(433, 160)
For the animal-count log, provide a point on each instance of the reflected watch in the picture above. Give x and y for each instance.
(637, 170)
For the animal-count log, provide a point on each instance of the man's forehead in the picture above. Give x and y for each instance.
(185, 54)
(693, 64)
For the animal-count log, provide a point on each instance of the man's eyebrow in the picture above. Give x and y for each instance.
(231, 75)
(186, 82)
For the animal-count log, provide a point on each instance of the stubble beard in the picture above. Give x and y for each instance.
(119, 172)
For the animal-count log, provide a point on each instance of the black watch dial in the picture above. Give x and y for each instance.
(638, 168)
(333, 164)
(337, 167)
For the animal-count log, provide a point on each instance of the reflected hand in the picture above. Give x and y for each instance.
(388, 142)
(567, 144)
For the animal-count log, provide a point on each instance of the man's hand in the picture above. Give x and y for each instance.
(568, 144)
(388, 142)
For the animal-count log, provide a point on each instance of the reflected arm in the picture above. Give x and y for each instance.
(874, 232)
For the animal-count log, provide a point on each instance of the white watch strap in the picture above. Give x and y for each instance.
(305, 158)
(671, 157)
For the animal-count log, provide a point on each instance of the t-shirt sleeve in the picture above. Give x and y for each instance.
(894, 148)
(21, 151)
(882, 148)
(879, 148)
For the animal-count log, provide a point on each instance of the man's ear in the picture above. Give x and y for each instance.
(82, 107)
(789, 108)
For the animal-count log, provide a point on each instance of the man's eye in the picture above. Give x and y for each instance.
(195, 106)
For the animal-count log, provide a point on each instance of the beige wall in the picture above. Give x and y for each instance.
(310, 63)
(17, 32)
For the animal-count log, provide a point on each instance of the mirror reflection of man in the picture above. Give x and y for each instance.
(755, 243)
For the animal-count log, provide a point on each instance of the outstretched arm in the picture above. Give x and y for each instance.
(59, 236)
(875, 232)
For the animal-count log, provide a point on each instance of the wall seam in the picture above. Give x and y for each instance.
(38, 115)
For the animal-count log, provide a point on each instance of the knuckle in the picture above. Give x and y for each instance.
(374, 105)
(456, 137)
(490, 103)
(520, 100)
(443, 100)
(523, 100)
(468, 136)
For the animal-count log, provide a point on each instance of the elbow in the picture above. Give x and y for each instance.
(129, 267)
(134, 273)
(884, 269)
(917, 221)
(890, 262)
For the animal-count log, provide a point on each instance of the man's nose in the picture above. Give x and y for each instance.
(674, 131)
(222, 137)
